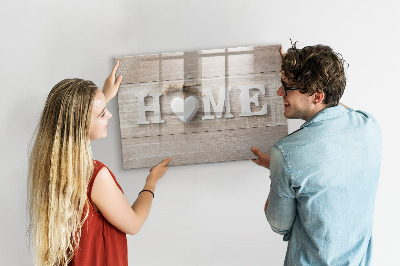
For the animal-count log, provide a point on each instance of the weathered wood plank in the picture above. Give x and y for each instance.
(218, 146)
(166, 67)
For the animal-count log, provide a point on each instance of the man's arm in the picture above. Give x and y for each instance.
(280, 213)
(280, 208)
(262, 160)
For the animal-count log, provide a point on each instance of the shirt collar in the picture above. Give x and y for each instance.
(326, 114)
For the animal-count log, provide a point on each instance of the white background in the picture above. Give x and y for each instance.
(208, 214)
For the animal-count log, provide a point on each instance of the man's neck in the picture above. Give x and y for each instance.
(318, 108)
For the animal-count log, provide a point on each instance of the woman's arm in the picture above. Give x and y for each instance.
(114, 206)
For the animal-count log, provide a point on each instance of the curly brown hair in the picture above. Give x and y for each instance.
(316, 69)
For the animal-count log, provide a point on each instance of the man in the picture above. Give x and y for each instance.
(323, 176)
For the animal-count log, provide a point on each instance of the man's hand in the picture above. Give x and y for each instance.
(281, 52)
(111, 85)
(263, 158)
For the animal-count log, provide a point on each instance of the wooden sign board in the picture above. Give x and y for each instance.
(198, 107)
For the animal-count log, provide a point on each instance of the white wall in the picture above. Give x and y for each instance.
(209, 214)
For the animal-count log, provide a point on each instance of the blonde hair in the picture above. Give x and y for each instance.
(60, 167)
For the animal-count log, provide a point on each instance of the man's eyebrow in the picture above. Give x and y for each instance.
(287, 85)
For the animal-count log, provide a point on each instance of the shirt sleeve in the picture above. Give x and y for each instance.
(281, 210)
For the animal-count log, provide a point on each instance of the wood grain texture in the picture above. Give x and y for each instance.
(205, 147)
(200, 141)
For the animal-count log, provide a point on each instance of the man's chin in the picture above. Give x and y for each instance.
(287, 115)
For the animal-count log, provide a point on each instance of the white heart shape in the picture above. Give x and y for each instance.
(185, 109)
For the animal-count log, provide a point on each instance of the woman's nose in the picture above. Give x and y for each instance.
(109, 114)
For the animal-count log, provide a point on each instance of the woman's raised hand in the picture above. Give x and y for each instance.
(111, 84)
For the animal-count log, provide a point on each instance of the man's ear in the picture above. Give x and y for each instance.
(318, 97)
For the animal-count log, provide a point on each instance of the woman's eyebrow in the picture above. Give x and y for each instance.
(101, 112)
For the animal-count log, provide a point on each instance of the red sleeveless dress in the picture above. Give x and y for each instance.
(101, 243)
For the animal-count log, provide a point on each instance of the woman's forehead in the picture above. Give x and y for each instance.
(99, 102)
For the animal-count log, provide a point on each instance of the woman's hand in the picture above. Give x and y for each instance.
(158, 171)
(111, 85)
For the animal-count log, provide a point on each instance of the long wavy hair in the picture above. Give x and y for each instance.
(60, 167)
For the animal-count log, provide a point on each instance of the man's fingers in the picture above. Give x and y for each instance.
(256, 151)
(281, 52)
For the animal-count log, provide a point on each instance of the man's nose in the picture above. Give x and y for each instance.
(280, 91)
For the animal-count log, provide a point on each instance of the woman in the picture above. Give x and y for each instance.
(78, 212)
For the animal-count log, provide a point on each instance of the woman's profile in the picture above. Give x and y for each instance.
(78, 212)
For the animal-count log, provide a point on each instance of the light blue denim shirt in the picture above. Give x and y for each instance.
(323, 183)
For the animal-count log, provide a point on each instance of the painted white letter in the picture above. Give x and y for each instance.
(155, 108)
(246, 100)
(208, 100)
